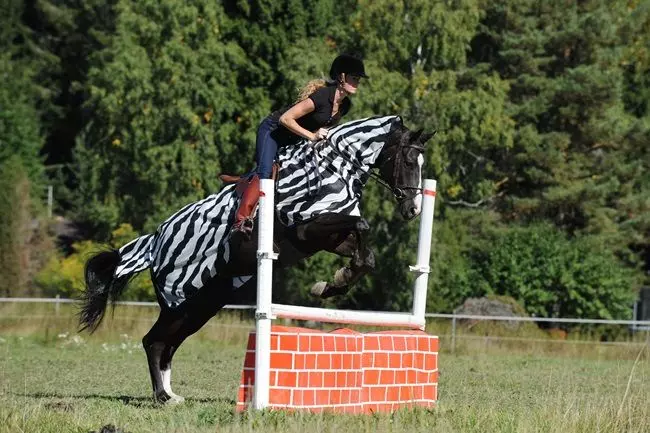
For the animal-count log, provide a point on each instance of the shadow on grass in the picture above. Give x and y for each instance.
(144, 402)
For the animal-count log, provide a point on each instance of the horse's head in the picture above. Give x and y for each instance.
(400, 165)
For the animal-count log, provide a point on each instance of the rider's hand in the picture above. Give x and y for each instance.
(321, 134)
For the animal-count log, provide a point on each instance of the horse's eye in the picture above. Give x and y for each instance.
(411, 156)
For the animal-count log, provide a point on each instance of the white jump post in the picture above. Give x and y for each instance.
(263, 313)
(424, 249)
(266, 310)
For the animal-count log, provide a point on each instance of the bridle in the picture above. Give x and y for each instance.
(397, 190)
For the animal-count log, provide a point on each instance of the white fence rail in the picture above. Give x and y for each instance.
(58, 300)
(640, 325)
(634, 323)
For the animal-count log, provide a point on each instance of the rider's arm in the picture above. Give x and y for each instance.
(288, 119)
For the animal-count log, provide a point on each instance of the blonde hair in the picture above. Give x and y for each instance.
(310, 88)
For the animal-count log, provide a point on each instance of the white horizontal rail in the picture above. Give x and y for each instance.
(131, 303)
(539, 319)
(352, 317)
(491, 338)
(428, 315)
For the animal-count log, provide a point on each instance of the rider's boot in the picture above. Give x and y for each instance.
(243, 225)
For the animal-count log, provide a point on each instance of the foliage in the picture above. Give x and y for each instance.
(19, 122)
(14, 226)
(552, 276)
(64, 275)
(165, 115)
(541, 111)
(576, 159)
(20, 133)
(456, 237)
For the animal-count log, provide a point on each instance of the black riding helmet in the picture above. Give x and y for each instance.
(347, 64)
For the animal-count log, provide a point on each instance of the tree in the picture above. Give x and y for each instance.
(287, 42)
(541, 112)
(167, 109)
(66, 34)
(553, 276)
(566, 97)
(19, 120)
(20, 128)
(14, 226)
(405, 36)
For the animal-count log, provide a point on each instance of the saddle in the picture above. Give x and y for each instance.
(242, 180)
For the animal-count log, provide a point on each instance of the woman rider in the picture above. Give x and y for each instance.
(320, 105)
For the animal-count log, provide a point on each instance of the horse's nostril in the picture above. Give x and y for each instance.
(412, 211)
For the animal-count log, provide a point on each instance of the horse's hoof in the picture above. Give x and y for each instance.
(175, 399)
(342, 277)
(165, 399)
(318, 288)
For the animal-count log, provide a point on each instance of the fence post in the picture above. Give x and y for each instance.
(453, 334)
(50, 202)
(56, 305)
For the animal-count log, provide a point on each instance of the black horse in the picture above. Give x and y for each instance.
(317, 203)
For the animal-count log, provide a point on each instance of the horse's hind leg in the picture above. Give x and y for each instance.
(154, 346)
(174, 327)
(160, 344)
(166, 370)
(187, 325)
(362, 262)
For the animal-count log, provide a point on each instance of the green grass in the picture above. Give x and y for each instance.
(51, 381)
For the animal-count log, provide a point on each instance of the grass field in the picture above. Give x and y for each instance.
(53, 380)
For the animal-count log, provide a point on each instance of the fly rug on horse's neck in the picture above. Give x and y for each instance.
(196, 271)
(328, 178)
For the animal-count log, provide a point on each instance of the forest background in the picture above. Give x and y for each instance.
(131, 109)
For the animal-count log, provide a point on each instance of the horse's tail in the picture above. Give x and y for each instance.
(107, 274)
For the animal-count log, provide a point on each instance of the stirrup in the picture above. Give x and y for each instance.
(244, 227)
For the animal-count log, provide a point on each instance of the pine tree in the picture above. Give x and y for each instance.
(571, 162)
(19, 119)
(167, 110)
(288, 42)
(20, 133)
(15, 226)
(67, 33)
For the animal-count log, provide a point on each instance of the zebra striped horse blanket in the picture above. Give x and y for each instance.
(192, 245)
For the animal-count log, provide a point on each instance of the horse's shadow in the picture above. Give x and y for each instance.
(127, 400)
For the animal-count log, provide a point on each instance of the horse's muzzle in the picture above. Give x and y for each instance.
(409, 208)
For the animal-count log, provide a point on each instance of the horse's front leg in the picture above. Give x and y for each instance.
(362, 262)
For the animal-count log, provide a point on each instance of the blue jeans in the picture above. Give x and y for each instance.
(266, 148)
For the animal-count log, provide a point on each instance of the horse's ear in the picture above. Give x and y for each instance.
(415, 136)
(427, 136)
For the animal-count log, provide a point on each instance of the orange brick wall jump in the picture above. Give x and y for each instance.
(346, 371)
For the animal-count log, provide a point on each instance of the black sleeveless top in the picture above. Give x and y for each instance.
(321, 117)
